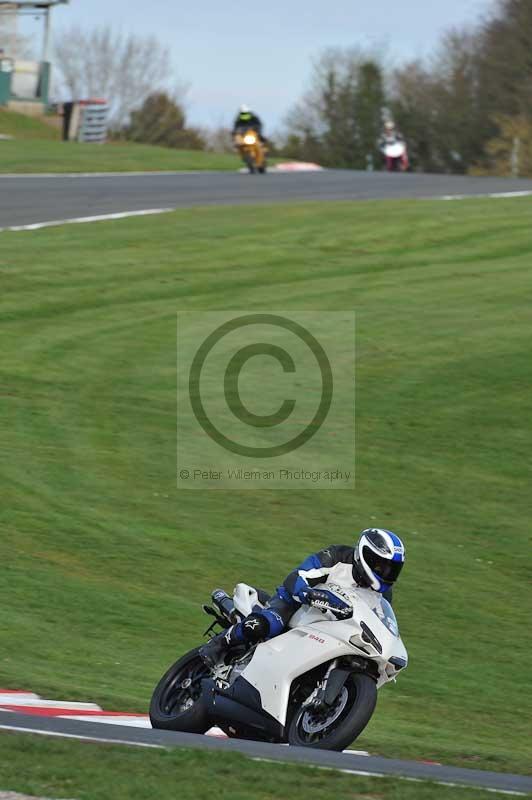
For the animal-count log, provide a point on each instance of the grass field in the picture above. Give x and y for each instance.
(36, 147)
(122, 773)
(105, 563)
(25, 128)
(49, 156)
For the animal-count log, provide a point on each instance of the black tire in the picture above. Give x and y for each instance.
(169, 697)
(250, 164)
(262, 170)
(359, 706)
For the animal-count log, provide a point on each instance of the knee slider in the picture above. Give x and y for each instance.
(255, 627)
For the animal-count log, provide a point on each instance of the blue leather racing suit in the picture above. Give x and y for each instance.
(334, 564)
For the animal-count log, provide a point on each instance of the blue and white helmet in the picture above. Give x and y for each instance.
(378, 559)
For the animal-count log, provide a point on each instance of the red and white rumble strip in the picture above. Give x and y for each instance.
(30, 703)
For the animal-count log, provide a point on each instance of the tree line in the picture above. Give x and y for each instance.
(467, 109)
(135, 74)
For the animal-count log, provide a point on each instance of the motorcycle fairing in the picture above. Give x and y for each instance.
(314, 639)
(395, 149)
(276, 663)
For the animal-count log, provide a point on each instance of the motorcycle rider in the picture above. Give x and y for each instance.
(246, 119)
(373, 563)
(390, 135)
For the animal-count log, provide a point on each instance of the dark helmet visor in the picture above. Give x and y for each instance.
(388, 571)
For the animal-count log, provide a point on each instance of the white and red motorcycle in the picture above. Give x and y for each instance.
(314, 685)
(395, 155)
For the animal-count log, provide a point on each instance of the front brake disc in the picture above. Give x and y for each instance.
(315, 722)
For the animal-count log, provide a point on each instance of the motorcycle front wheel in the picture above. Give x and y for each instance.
(336, 726)
(249, 161)
(176, 703)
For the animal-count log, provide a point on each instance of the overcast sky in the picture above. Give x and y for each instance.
(259, 53)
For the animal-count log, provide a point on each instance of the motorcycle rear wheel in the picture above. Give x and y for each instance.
(339, 726)
(176, 703)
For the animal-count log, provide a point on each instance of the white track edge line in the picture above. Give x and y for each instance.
(490, 195)
(34, 226)
(125, 174)
(366, 773)
(432, 780)
(79, 736)
(144, 173)
(259, 758)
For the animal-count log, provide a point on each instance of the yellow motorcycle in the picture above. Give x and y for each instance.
(252, 150)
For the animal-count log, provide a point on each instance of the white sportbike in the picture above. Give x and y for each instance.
(314, 685)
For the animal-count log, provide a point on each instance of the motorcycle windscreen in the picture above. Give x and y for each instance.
(385, 613)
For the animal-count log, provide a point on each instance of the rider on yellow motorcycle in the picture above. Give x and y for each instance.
(246, 118)
(249, 140)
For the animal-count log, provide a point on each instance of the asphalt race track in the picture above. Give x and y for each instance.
(368, 765)
(27, 199)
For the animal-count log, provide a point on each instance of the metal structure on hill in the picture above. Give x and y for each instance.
(24, 83)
